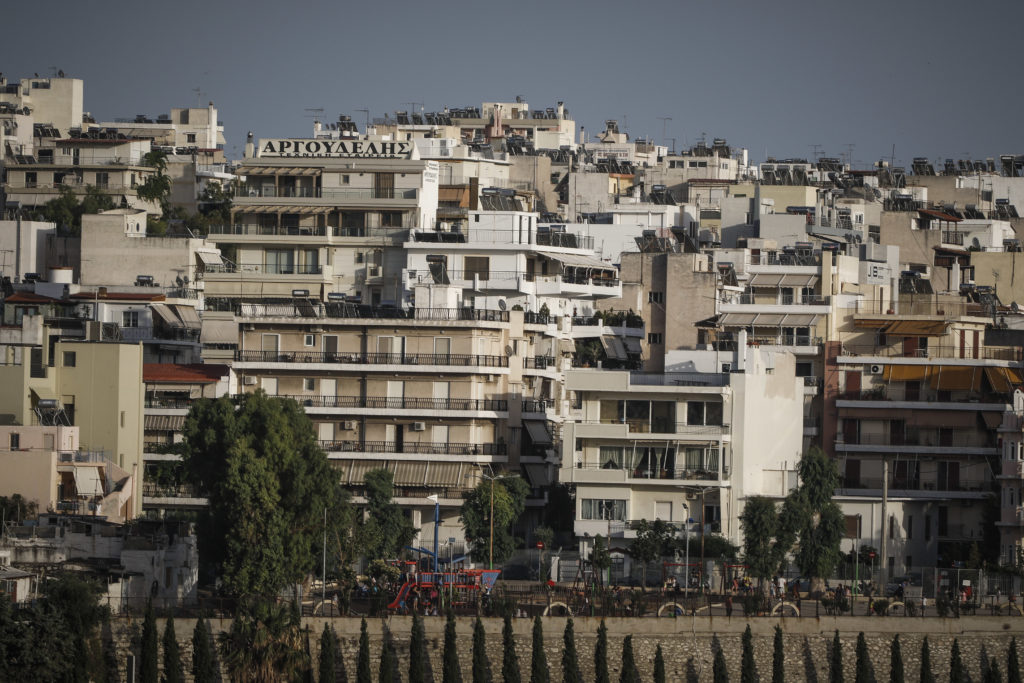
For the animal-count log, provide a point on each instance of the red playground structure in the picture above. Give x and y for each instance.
(458, 584)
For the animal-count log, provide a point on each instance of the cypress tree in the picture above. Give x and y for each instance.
(956, 664)
(203, 670)
(328, 648)
(835, 661)
(896, 661)
(719, 670)
(778, 658)
(748, 670)
(1012, 663)
(992, 675)
(451, 673)
(173, 672)
(509, 659)
(570, 662)
(659, 665)
(629, 673)
(149, 659)
(926, 663)
(539, 661)
(863, 672)
(417, 651)
(601, 655)
(480, 674)
(388, 667)
(363, 661)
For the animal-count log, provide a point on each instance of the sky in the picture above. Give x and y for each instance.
(862, 80)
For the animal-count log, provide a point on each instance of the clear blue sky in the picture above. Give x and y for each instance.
(936, 78)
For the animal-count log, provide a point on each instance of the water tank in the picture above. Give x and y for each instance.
(62, 275)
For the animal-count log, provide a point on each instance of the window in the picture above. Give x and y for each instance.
(851, 524)
(611, 457)
(310, 340)
(309, 384)
(477, 266)
(656, 297)
(31, 179)
(345, 179)
(703, 413)
(892, 527)
(280, 261)
(927, 527)
(129, 319)
(183, 116)
(45, 156)
(15, 441)
(804, 369)
(943, 520)
(654, 338)
(69, 359)
(190, 138)
(102, 179)
(391, 219)
(597, 508)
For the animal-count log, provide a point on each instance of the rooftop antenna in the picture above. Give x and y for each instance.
(199, 96)
(816, 149)
(664, 122)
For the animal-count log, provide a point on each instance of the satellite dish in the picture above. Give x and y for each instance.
(508, 350)
(502, 305)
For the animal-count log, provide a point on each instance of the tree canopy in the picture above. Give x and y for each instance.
(386, 530)
(509, 503)
(269, 485)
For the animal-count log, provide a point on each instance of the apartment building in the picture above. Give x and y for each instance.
(1010, 477)
(35, 105)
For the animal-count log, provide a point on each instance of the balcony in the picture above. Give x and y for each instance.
(539, 363)
(266, 269)
(781, 300)
(149, 334)
(264, 192)
(391, 403)
(452, 359)
(679, 379)
(956, 441)
(932, 484)
(414, 447)
(946, 310)
(954, 352)
(532, 405)
(168, 403)
(612, 474)
(312, 309)
(587, 428)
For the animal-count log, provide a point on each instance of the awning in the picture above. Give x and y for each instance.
(164, 387)
(44, 394)
(188, 316)
(960, 419)
(992, 420)
(538, 431)
(357, 469)
(537, 475)
(453, 194)
(956, 378)
(768, 319)
(997, 378)
(1013, 376)
(88, 481)
(575, 261)
(164, 423)
(770, 280)
(566, 346)
(736, 319)
(633, 346)
(916, 328)
(613, 348)
(871, 323)
(865, 413)
(800, 320)
(444, 474)
(794, 280)
(219, 332)
(166, 314)
(208, 258)
(410, 473)
(906, 373)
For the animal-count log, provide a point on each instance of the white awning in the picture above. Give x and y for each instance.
(538, 431)
(166, 314)
(800, 320)
(567, 346)
(576, 261)
(765, 280)
(768, 319)
(88, 481)
(208, 258)
(793, 280)
(444, 474)
(188, 316)
(219, 332)
(613, 348)
(736, 319)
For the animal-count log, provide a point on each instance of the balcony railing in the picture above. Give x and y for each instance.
(762, 340)
(83, 456)
(266, 268)
(533, 405)
(953, 237)
(539, 362)
(392, 403)
(261, 191)
(611, 320)
(271, 230)
(155, 490)
(311, 309)
(925, 440)
(137, 334)
(160, 402)
(425, 276)
(919, 484)
(415, 447)
(454, 359)
(897, 351)
(783, 300)
(945, 309)
(682, 379)
(676, 473)
(660, 427)
(532, 318)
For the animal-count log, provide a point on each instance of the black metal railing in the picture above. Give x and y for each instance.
(336, 309)
(455, 359)
(400, 403)
(416, 447)
(539, 362)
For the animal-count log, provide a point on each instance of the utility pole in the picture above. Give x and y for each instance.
(884, 565)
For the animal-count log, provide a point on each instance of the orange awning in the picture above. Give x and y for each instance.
(916, 328)
(906, 373)
(956, 378)
(871, 323)
(1013, 376)
(997, 378)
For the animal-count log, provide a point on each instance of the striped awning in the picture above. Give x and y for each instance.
(164, 423)
(906, 373)
(916, 328)
(956, 378)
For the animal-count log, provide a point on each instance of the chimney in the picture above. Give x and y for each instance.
(250, 147)
(561, 110)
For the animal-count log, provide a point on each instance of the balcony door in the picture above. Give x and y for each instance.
(441, 390)
(328, 390)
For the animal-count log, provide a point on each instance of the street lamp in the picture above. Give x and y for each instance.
(686, 565)
(437, 521)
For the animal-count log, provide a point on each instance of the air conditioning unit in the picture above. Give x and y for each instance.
(249, 380)
(419, 426)
(876, 369)
(347, 426)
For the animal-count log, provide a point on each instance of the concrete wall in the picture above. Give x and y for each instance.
(25, 252)
(688, 645)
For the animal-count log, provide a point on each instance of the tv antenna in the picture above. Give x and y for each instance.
(317, 112)
(199, 96)
(664, 123)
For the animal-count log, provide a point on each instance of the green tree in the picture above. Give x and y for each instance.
(957, 674)
(748, 668)
(451, 672)
(778, 657)
(388, 669)
(992, 673)
(545, 536)
(35, 640)
(538, 661)
(718, 547)
(659, 665)
(269, 485)
(719, 671)
(570, 662)
(509, 502)
(601, 653)
(481, 673)
(386, 530)
(173, 671)
(762, 553)
(815, 518)
(203, 664)
(363, 659)
(835, 661)
(328, 654)
(417, 651)
(264, 643)
(149, 660)
(601, 558)
(509, 659)
(650, 543)
(629, 672)
(17, 508)
(896, 661)
(76, 603)
(157, 186)
(863, 670)
(1012, 663)
(926, 663)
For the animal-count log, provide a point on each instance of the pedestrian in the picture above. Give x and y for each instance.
(728, 605)
(782, 587)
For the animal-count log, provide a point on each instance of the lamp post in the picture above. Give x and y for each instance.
(437, 522)
(686, 565)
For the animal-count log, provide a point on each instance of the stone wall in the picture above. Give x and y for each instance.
(688, 643)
